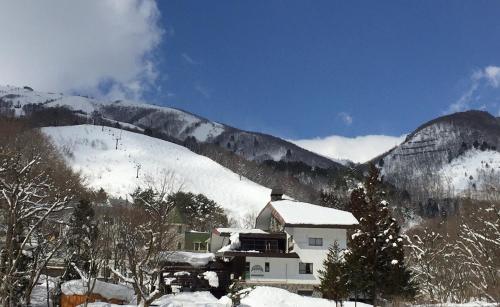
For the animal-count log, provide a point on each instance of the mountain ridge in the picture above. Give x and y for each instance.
(434, 145)
(174, 122)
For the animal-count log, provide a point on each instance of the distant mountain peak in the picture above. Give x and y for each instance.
(434, 145)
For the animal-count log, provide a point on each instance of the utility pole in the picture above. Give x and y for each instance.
(117, 139)
(137, 167)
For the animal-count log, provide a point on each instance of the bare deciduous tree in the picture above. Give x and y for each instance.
(35, 185)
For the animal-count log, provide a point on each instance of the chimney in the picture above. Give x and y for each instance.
(276, 194)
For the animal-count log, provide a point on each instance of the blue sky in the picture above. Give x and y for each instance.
(310, 69)
(296, 69)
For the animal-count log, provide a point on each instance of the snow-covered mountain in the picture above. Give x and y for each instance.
(474, 171)
(111, 158)
(422, 161)
(435, 150)
(173, 123)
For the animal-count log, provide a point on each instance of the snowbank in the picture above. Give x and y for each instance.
(189, 299)
(194, 259)
(39, 293)
(185, 299)
(234, 244)
(213, 279)
(275, 297)
(106, 290)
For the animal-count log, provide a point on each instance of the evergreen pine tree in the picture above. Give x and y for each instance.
(200, 212)
(375, 258)
(82, 233)
(333, 277)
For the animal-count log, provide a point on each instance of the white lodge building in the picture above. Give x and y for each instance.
(288, 246)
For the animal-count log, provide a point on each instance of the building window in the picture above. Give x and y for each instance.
(305, 268)
(315, 241)
(266, 267)
(197, 246)
(179, 229)
(179, 245)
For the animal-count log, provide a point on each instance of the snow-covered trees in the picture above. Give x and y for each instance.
(375, 258)
(86, 250)
(479, 243)
(432, 259)
(32, 192)
(373, 266)
(145, 235)
(137, 241)
(458, 259)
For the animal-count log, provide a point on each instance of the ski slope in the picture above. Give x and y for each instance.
(91, 151)
(473, 168)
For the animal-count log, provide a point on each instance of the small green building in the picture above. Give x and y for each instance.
(186, 239)
(196, 241)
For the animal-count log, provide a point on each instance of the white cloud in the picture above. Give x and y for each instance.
(492, 74)
(463, 103)
(61, 45)
(479, 80)
(358, 149)
(346, 118)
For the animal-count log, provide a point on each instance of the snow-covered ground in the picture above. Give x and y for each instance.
(473, 167)
(259, 297)
(91, 151)
(39, 293)
(275, 297)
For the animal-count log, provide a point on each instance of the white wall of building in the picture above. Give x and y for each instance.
(281, 270)
(315, 254)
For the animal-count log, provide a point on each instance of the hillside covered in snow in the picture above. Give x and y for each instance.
(433, 159)
(475, 171)
(111, 158)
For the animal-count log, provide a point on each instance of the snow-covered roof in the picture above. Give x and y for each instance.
(194, 259)
(106, 290)
(298, 213)
(238, 230)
